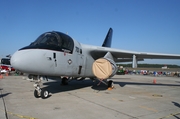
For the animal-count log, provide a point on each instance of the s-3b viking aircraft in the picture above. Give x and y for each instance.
(57, 54)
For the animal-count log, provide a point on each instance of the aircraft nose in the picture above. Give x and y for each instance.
(22, 60)
(17, 60)
(31, 61)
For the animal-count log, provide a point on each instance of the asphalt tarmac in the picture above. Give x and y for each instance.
(134, 97)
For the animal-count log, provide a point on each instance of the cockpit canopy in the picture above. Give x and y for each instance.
(52, 41)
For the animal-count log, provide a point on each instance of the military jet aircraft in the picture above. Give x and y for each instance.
(57, 54)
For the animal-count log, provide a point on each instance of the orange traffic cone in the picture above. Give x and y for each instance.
(154, 81)
(7, 74)
(1, 76)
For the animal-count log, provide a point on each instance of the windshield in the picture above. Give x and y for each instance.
(48, 39)
(52, 41)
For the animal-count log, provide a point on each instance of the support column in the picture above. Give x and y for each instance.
(134, 63)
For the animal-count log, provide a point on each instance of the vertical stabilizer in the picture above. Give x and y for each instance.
(108, 39)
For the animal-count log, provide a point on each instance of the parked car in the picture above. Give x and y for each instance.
(7, 67)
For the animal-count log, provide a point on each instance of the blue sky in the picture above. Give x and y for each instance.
(138, 25)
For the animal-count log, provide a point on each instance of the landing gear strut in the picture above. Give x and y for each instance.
(39, 92)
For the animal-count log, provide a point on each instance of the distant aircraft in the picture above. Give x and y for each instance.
(57, 54)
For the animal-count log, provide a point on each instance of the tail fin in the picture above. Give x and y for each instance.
(108, 39)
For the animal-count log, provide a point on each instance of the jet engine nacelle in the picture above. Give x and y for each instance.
(104, 68)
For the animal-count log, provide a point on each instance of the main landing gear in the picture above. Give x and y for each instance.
(39, 92)
(64, 81)
(110, 84)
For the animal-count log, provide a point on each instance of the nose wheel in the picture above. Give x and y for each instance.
(39, 92)
(44, 94)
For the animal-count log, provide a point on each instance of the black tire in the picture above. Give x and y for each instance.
(36, 94)
(110, 84)
(44, 94)
(64, 81)
(30, 76)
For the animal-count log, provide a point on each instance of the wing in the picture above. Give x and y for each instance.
(125, 56)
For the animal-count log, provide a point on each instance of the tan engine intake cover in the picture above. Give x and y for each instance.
(102, 68)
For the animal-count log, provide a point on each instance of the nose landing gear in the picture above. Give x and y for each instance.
(39, 92)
